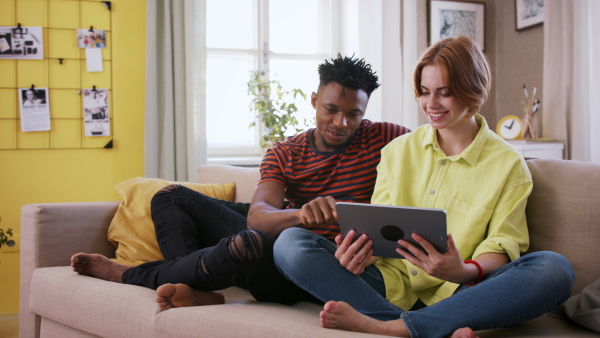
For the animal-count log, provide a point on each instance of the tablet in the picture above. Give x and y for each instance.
(385, 225)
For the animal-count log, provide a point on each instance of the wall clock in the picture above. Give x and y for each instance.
(510, 127)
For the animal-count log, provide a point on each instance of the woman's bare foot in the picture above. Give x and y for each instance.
(464, 332)
(181, 295)
(98, 266)
(342, 316)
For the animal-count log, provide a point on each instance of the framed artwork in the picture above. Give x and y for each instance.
(453, 18)
(529, 13)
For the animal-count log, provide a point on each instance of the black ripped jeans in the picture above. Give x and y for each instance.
(207, 246)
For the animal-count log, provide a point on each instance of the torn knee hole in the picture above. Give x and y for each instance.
(170, 188)
(203, 266)
(246, 247)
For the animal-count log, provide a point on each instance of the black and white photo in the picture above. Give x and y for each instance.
(454, 18)
(35, 109)
(21, 43)
(529, 13)
(95, 107)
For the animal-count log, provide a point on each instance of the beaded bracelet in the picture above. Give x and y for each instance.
(480, 272)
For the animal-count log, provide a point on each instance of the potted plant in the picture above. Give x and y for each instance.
(275, 107)
(4, 239)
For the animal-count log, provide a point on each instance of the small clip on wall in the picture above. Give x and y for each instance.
(18, 30)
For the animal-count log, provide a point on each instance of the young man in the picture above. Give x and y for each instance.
(208, 246)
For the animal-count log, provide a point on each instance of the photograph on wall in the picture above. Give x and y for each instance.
(21, 43)
(454, 18)
(91, 38)
(530, 13)
(95, 108)
(35, 109)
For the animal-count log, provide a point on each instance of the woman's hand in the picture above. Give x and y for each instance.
(449, 266)
(354, 256)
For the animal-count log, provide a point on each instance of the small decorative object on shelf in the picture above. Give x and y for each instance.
(530, 104)
(510, 127)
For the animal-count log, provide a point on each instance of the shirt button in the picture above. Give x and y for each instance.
(414, 272)
(431, 192)
(443, 162)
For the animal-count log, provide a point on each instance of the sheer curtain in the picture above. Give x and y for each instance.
(175, 120)
(571, 103)
(384, 34)
(174, 134)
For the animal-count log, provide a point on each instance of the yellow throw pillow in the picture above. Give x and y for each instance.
(132, 231)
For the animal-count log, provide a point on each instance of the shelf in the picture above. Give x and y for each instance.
(539, 148)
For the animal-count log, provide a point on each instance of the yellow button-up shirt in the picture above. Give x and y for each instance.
(484, 191)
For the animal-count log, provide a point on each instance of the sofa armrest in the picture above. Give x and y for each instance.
(50, 234)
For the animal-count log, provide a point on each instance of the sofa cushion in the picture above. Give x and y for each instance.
(584, 308)
(108, 309)
(245, 179)
(562, 214)
(132, 229)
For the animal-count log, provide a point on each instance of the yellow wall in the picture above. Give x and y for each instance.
(74, 175)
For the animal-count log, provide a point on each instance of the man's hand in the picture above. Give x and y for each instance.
(266, 213)
(354, 256)
(319, 211)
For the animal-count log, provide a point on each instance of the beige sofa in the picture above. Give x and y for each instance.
(563, 214)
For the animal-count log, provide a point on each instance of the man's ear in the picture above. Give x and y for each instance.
(313, 100)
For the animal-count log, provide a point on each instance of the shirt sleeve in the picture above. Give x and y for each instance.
(272, 167)
(507, 231)
(390, 131)
(381, 195)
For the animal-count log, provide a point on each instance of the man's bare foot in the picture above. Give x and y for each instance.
(98, 266)
(340, 315)
(181, 295)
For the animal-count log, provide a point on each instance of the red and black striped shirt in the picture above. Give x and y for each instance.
(347, 174)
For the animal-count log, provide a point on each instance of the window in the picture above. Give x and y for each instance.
(290, 38)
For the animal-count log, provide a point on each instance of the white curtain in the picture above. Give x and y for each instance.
(174, 135)
(410, 56)
(175, 119)
(571, 100)
(372, 29)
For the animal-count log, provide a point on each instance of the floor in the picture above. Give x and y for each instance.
(9, 325)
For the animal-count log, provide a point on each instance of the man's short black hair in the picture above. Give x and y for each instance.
(349, 72)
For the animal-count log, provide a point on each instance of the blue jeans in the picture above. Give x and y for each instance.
(521, 290)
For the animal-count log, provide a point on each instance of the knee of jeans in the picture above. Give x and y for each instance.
(169, 188)
(249, 246)
(165, 192)
(288, 246)
(555, 267)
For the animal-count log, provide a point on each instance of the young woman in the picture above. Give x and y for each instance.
(454, 163)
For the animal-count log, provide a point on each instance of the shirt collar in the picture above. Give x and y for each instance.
(471, 154)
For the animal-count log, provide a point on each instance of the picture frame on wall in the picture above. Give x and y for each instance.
(453, 18)
(529, 13)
